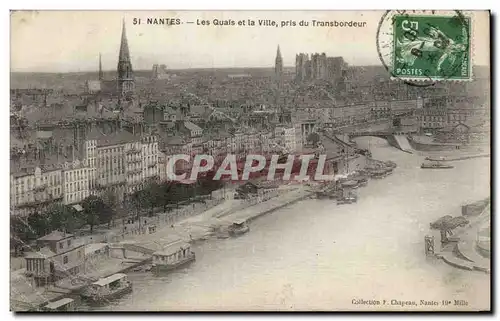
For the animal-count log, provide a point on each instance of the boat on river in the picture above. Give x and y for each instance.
(350, 184)
(362, 180)
(435, 165)
(62, 305)
(390, 164)
(326, 193)
(238, 228)
(379, 173)
(175, 255)
(106, 289)
(347, 197)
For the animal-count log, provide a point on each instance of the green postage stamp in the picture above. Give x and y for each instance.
(431, 47)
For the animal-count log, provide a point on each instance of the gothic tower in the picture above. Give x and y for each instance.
(278, 75)
(278, 66)
(101, 76)
(126, 83)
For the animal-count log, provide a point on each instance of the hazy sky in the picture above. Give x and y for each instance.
(60, 41)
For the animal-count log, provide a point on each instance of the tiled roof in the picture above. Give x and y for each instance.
(43, 253)
(189, 125)
(116, 138)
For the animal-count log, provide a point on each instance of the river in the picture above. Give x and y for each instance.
(315, 255)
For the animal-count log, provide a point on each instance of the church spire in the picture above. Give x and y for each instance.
(279, 61)
(278, 74)
(126, 83)
(278, 65)
(101, 77)
(124, 52)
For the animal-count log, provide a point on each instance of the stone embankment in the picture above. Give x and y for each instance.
(462, 249)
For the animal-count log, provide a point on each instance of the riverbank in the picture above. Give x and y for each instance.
(201, 227)
(26, 297)
(461, 251)
(427, 144)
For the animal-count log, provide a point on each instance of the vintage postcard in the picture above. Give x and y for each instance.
(250, 161)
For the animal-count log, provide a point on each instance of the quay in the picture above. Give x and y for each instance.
(468, 248)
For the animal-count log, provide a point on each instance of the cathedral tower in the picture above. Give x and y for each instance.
(278, 66)
(101, 76)
(278, 75)
(126, 83)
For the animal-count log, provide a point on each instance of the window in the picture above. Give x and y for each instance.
(61, 245)
(65, 259)
(69, 243)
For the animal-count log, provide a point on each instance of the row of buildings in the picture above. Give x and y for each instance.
(122, 163)
(446, 112)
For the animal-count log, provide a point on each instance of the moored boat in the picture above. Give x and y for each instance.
(350, 184)
(388, 171)
(347, 197)
(238, 228)
(62, 305)
(361, 179)
(380, 173)
(175, 255)
(435, 165)
(390, 164)
(106, 289)
(327, 193)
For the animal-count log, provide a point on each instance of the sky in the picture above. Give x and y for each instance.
(69, 41)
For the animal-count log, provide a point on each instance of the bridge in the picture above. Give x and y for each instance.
(396, 136)
(394, 129)
(387, 128)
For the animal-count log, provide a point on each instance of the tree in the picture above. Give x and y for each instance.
(92, 206)
(447, 224)
(19, 233)
(38, 225)
(152, 196)
(135, 201)
(60, 217)
(111, 202)
(106, 214)
(164, 194)
(175, 194)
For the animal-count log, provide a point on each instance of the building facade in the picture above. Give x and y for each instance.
(76, 182)
(60, 256)
(34, 189)
(150, 155)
